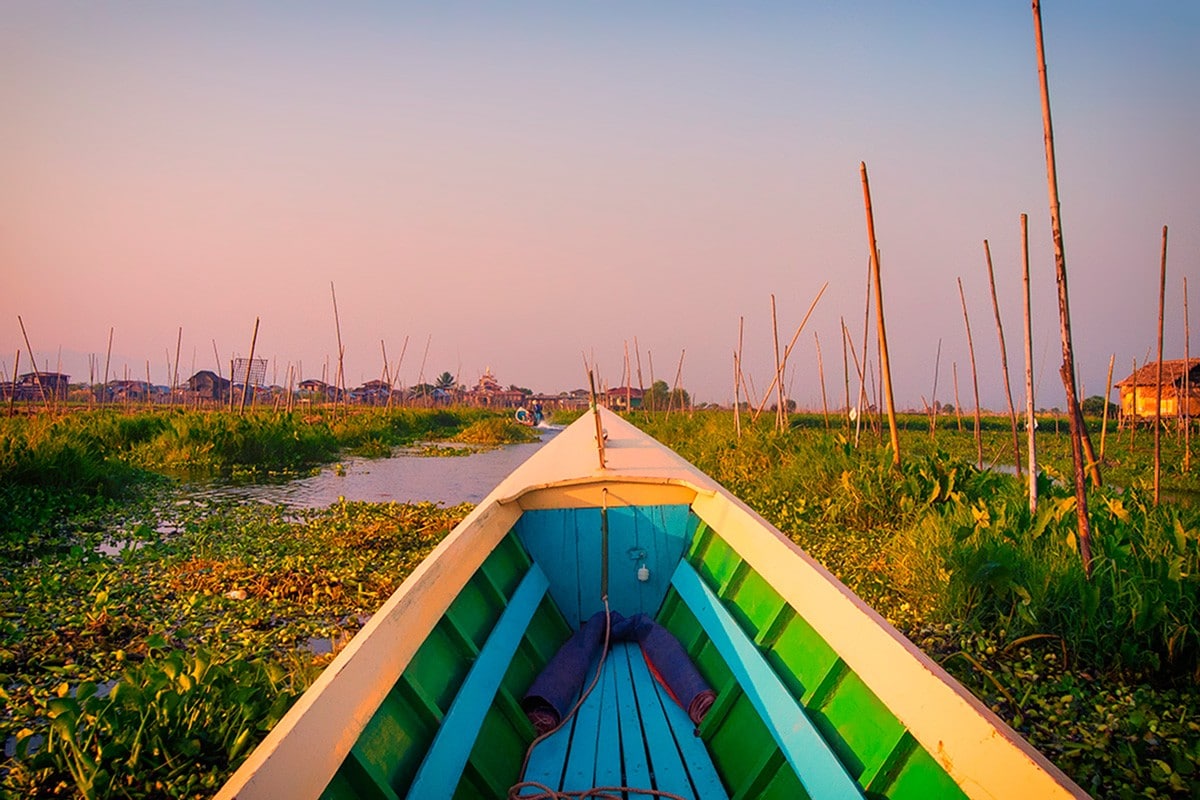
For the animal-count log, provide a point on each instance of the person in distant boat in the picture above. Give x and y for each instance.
(537, 414)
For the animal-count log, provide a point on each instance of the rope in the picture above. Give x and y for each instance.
(598, 792)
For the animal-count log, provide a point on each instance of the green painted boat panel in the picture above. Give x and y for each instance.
(921, 776)
(439, 666)
(756, 604)
(715, 560)
(857, 724)
(801, 657)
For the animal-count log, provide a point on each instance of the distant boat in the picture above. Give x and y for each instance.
(800, 689)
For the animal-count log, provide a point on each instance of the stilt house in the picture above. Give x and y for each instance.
(1180, 394)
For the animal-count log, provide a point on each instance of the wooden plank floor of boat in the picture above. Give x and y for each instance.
(628, 733)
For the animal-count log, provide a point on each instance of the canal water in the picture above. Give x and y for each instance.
(403, 478)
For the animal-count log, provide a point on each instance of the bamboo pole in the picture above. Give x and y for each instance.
(650, 365)
(845, 373)
(628, 381)
(12, 397)
(1158, 375)
(957, 404)
(933, 409)
(787, 351)
(974, 378)
(37, 374)
(108, 358)
(1030, 419)
(858, 370)
(862, 375)
(1108, 393)
(778, 382)
(737, 378)
(1187, 385)
(1067, 371)
(1133, 415)
(737, 417)
(396, 372)
(678, 378)
(884, 364)
(1012, 414)
(339, 384)
(175, 378)
(821, 377)
(249, 364)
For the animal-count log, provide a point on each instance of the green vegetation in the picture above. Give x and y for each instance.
(1103, 676)
(152, 673)
(55, 471)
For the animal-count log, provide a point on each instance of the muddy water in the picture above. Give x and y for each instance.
(403, 478)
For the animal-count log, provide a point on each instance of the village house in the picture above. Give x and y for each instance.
(39, 385)
(207, 385)
(623, 398)
(1180, 395)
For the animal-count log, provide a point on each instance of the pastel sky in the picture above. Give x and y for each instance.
(528, 185)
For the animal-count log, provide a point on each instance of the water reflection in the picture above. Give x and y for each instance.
(403, 478)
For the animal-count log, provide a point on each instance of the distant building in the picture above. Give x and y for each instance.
(312, 389)
(375, 392)
(208, 385)
(1140, 396)
(623, 398)
(42, 385)
(490, 393)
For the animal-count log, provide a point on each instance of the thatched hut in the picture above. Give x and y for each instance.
(1180, 396)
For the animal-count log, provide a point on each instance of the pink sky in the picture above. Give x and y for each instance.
(531, 185)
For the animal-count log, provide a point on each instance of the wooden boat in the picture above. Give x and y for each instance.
(815, 694)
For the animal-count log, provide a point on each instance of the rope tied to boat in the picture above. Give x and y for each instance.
(544, 792)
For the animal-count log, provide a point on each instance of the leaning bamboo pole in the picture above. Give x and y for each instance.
(396, 372)
(1012, 414)
(12, 397)
(862, 374)
(678, 378)
(1030, 419)
(1067, 371)
(884, 364)
(249, 364)
(339, 383)
(778, 377)
(1108, 393)
(37, 374)
(108, 358)
(974, 378)
(1158, 373)
(787, 351)
(175, 375)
